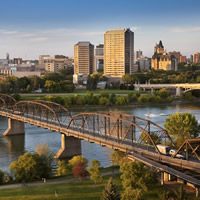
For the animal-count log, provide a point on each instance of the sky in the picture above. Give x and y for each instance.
(29, 28)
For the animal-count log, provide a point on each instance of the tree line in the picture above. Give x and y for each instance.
(50, 82)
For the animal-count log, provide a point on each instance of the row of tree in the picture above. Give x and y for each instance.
(50, 82)
(184, 74)
(107, 99)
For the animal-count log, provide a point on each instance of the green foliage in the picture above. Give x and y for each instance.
(67, 101)
(117, 156)
(187, 96)
(132, 194)
(182, 126)
(180, 193)
(95, 174)
(1, 176)
(136, 175)
(154, 137)
(104, 101)
(163, 93)
(33, 166)
(63, 168)
(121, 100)
(110, 191)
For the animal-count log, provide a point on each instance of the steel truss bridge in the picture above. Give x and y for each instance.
(136, 136)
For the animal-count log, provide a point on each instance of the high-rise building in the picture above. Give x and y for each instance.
(118, 52)
(99, 57)
(83, 58)
(163, 61)
(138, 54)
(196, 58)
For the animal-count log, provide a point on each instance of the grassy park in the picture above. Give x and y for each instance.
(86, 189)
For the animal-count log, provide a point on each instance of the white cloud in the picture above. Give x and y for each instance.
(184, 30)
(134, 28)
(6, 32)
(39, 38)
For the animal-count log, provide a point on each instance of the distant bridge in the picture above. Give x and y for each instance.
(127, 133)
(179, 87)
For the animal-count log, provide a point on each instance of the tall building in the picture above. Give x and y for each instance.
(163, 61)
(196, 58)
(83, 58)
(99, 57)
(138, 54)
(118, 52)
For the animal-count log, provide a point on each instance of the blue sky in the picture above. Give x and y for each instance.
(29, 28)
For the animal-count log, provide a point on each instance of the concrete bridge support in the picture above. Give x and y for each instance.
(15, 127)
(197, 191)
(70, 146)
(152, 91)
(178, 91)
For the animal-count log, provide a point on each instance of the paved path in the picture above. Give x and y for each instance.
(51, 182)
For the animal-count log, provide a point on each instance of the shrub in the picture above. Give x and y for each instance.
(121, 100)
(104, 101)
(67, 101)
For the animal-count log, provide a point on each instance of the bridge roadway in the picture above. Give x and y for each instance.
(147, 156)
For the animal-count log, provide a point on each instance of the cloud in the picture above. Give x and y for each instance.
(39, 38)
(185, 30)
(6, 32)
(134, 28)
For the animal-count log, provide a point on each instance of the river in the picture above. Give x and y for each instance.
(14, 146)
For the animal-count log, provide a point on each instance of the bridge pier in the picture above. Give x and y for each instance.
(15, 127)
(197, 191)
(178, 91)
(152, 91)
(70, 146)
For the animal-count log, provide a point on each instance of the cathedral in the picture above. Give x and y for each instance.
(161, 60)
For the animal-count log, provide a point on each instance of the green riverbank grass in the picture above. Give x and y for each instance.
(84, 190)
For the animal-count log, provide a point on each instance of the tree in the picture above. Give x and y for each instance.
(1, 176)
(181, 126)
(110, 191)
(94, 172)
(25, 168)
(163, 93)
(117, 156)
(79, 170)
(77, 159)
(132, 194)
(63, 168)
(31, 166)
(51, 85)
(136, 176)
(180, 193)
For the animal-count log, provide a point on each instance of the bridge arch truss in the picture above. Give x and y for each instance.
(121, 128)
(45, 111)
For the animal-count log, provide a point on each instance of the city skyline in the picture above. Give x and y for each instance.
(32, 28)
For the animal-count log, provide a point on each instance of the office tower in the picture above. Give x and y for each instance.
(196, 58)
(138, 54)
(83, 58)
(99, 58)
(118, 52)
(163, 61)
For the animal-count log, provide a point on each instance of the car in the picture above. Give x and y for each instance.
(180, 155)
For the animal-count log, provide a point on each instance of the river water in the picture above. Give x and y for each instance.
(14, 146)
